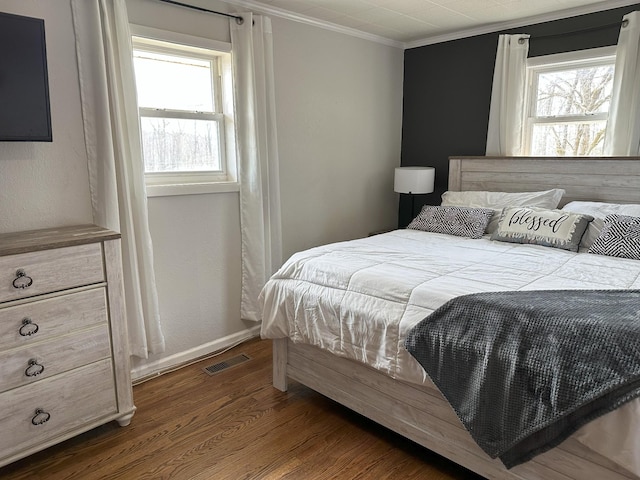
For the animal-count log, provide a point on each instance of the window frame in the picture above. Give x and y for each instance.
(536, 66)
(219, 53)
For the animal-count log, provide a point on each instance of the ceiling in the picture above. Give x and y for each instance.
(410, 23)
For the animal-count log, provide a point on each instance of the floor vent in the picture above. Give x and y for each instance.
(225, 364)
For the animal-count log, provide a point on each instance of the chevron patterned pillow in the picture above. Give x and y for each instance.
(459, 221)
(620, 237)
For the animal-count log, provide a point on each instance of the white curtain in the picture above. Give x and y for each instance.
(623, 128)
(116, 172)
(252, 52)
(504, 135)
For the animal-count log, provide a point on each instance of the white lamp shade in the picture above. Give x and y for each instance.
(415, 180)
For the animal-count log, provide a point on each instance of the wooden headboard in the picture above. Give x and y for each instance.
(602, 179)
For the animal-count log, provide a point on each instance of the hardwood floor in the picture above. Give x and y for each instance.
(235, 425)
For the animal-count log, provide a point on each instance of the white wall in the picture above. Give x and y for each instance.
(196, 238)
(338, 101)
(339, 111)
(46, 184)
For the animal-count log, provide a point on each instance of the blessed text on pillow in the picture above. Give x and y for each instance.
(539, 226)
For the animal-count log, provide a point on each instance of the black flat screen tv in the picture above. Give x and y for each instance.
(25, 112)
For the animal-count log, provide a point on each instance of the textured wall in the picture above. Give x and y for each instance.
(45, 184)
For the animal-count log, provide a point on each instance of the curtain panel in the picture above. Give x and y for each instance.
(623, 128)
(257, 153)
(504, 134)
(116, 171)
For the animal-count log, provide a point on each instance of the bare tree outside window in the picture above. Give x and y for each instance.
(179, 102)
(175, 145)
(569, 109)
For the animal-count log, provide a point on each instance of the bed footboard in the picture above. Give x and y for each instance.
(423, 415)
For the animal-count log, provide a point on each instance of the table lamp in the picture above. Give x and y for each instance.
(414, 181)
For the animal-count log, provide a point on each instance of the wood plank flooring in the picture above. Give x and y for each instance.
(235, 425)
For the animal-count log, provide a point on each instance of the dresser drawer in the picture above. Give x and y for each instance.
(45, 319)
(50, 271)
(64, 358)
(68, 401)
(33, 363)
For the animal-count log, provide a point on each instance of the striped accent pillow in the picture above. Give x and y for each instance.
(458, 221)
(620, 237)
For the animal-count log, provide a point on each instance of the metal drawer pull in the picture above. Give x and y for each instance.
(34, 369)
(22, 280)
(28, 328)
(40, 417)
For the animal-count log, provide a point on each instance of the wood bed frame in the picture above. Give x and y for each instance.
(420, 413)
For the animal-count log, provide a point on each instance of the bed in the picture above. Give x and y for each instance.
(322, 342)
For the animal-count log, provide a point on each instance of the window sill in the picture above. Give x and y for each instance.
(169, 190)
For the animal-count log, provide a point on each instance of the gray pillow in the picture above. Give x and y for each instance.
(620, 237)
(540, 226)
(459, 221)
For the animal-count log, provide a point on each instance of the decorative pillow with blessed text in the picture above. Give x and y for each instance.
(539, 226)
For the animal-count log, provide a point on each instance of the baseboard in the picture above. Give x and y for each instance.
(163, 365)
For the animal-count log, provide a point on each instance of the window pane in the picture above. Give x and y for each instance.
(569, 139)
(173, 82)
(581, 91)
(176, 145)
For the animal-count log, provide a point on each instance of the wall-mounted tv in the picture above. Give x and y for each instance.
(25, 113)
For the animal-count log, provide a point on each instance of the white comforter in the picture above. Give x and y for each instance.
(359, 299)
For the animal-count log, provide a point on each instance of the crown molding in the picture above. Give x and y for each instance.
(297, 17)
(255, 6)
(521, 22)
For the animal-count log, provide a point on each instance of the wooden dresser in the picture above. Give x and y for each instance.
(64, 357)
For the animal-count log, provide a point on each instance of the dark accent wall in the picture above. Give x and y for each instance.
(447, 91)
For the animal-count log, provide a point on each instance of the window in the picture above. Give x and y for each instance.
(568, 98)
(184, 103)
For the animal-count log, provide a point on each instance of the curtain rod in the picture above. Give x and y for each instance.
(622, 24)
(238, 18)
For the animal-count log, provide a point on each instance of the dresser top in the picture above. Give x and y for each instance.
(34, 240)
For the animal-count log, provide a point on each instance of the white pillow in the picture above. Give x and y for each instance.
(499, 200)
(599, 210)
